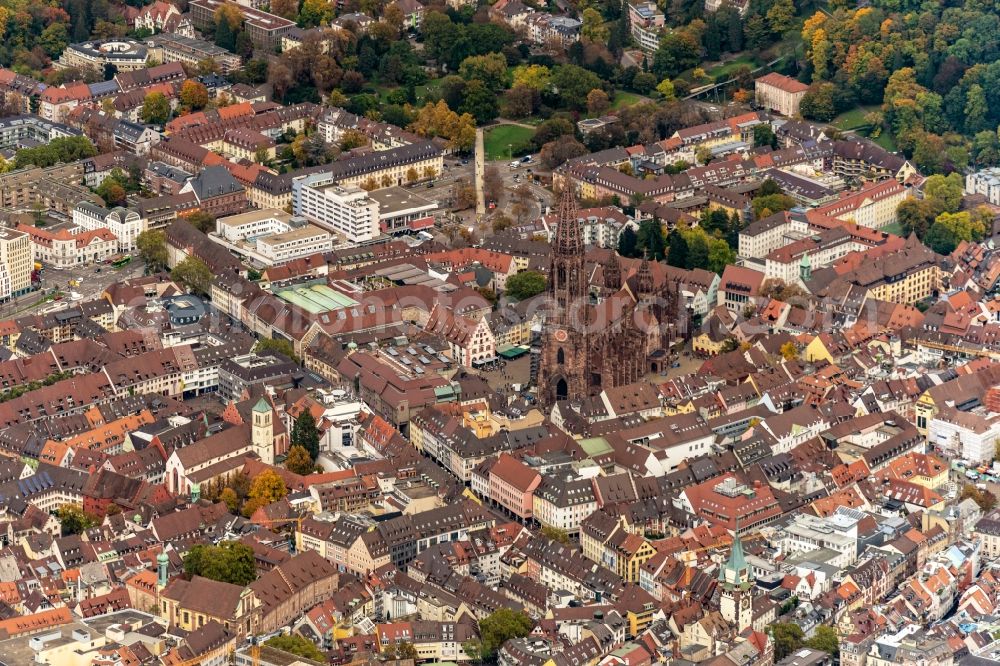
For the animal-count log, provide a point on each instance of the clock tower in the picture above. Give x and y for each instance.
(563, 370)
(736, 582)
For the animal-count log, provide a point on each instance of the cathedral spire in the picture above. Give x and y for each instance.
(644, 277)
(569, 240)
(613, 273)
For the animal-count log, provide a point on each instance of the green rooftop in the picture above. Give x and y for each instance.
(316, 298)
(595, 446)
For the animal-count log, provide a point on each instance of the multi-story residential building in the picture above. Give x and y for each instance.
(24, 131)
(512, 485)
(347, 210)
(265, 30)
(779, 93)
(805, 534)
(646, 24)
(218, 193)
(796, 261)
(302, 241)
(238, 374)
(125, 224)
(971, 435)
(157, 16)
(65, 248)
(122, 54)
(16, 263)
(907, 275)
(194, 603)
(470, 340)
(563, 502)
(253, 224)
(985, 182)
(167, 47)
(762, 237)
(874, 205)
(402, 210)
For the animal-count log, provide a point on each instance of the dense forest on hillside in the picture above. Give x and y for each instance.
(934, 68)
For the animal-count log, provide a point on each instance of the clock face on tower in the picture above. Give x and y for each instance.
(561, 335)
(745, 601)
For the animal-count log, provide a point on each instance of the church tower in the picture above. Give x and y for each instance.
(612, 274)
(563, 372)
(736, 582)
(262, 436)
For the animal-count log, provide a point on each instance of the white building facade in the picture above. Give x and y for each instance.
(345, 210)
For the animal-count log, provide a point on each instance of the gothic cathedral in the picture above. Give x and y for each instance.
(598, 340)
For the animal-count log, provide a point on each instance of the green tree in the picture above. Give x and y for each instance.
(781, 16)
(678, 50)
(480, 102)
(500, 626)
(194, 274)
(112, 191)
(677, 249)
(651, 241)
(628, 243)
(787, 637)
(155, 109)
(593, 27)
(305, 434)
(228, 562)
(524, 285)
(299, 461)
(202, 221)
(297, 645)
(555, 534)
(573, 84)
(770, 204)
(406, 650)
(720, 255)
(818, 102)
(62, 149)
(229, 496)
(491, 69)
(666, 88)
(152, 247)
(947, 190)
(73, 520)
(763, 135)
(824, 638)
(283, 347)
(916, 216)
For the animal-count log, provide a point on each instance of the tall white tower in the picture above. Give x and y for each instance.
(736, 581)
(263, 432)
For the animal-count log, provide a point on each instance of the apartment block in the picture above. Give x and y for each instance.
(346, 210)
(16, 263)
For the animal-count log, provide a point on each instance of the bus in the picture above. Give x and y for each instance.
(122, 261)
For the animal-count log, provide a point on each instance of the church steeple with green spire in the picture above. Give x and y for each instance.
(736, 581)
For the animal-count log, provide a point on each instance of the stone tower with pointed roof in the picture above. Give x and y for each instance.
(564, 352)
(262, 433)
(736, 583)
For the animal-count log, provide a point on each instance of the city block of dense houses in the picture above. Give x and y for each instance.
(824, 459)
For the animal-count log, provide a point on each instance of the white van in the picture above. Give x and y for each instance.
(515, 164)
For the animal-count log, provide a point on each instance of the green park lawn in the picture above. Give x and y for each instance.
(853, 119)
(499, 139)
(894, 228)
(724, 71)
(623, 99)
